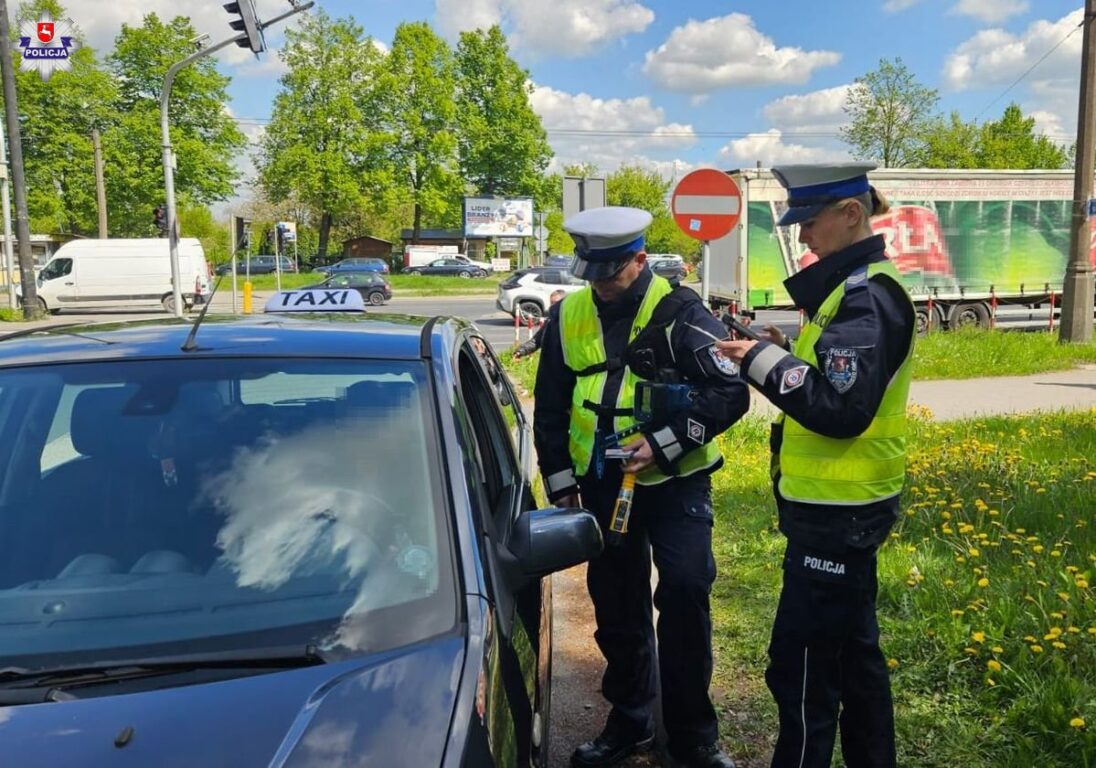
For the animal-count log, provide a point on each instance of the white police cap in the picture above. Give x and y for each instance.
(606, 239)
(812, 187)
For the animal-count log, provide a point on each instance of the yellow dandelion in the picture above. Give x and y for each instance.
(973, 552)
(1038, 549)
(1036, 649)
(1021, 530)
(1064, 596)
(1077, 722)
(956, 612)
(1059, 645)
(945, 515)
(949, 583)
(993, 665)
(1029, 639)
(892, 663)
(978, 637)
(1055, 553)
(983, 582)
(960, 559)
(990, 682)
(1081, 583)
(971, 651)
(993, 513)
(997, 649)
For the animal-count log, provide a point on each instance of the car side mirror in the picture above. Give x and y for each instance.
(543, 541)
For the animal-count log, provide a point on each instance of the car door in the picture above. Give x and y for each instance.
(520, 667)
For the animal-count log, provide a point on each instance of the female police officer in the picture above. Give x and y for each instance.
(628, 322)
(838, 467)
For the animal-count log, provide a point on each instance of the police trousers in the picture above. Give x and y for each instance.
(826, 666)
(673, 522)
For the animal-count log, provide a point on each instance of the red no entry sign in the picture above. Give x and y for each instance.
(706, 204)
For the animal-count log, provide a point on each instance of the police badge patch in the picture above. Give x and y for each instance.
(696, 431)
(793, 379)
(841, 366)
(723, 364)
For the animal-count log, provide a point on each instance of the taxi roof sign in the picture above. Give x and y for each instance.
(316, 300)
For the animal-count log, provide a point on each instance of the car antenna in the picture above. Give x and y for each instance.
(190, 344)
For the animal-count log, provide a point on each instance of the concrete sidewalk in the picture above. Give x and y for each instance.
(1073, 390)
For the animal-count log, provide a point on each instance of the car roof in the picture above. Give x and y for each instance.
(347, 335)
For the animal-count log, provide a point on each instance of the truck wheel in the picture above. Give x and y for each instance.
(530, 309)
(169, 303)
(922, 318)
(972, 315)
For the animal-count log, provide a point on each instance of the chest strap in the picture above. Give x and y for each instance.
(610, 365)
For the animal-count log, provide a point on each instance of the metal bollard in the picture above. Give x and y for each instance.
(247, 297)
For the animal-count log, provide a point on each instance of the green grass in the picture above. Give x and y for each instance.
(1010, 501)
(971, 353)
(402, 285)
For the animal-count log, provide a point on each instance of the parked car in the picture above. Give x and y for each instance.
(668, 268)
(484, 265)
(372, 286)
(558, 261)
(355, 264)
(448, 266)
(527, 290)
(319, 532)
(260, 264)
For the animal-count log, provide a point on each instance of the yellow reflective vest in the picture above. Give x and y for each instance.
(816, 469)
(584, 347)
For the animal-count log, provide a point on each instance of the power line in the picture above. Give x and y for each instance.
(1030, 69)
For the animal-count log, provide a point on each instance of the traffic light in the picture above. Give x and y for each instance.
(241, 233)
(159, 215)
(249, 23)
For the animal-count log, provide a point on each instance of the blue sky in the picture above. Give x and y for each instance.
(677, 84)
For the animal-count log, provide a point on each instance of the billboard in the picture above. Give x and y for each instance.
(498, 217)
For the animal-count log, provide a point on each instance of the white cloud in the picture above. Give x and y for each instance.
(990, 11)
(894, 6)
(816, 112)
(1050, 124)
(704, 56)
(563, 27)
(609, 132)
(995, 57)
(769, 148)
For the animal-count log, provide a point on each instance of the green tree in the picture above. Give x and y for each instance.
(203, 135)
(1011, 143)
(951, 143)
(502, 145)
(418, 97)
(890, 113)
(58, 119)
(321, 147)
(633, 186)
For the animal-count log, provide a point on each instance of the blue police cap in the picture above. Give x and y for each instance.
(606, 239)
(812, 187)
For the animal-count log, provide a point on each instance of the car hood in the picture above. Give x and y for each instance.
(392, 710)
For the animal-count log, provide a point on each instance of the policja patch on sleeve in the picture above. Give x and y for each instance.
(723, 364)
(840, 366)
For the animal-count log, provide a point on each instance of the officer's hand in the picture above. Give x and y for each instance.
(735, 350)
(642, 458)
(776, 336)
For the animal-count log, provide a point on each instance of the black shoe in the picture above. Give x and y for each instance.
(609, 748)
(706, 756)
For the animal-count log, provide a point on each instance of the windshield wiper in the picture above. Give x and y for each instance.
(21, 685)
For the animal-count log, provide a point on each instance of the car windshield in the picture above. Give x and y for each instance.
(160, 507)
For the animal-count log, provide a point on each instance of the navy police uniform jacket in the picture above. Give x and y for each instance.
(875, 323)
(722, 396)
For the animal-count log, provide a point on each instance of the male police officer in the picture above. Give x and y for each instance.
(629, 323)
(839, 465)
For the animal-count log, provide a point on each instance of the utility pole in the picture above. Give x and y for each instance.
(11, 114)
(1077, 289)
(5, 204)
(100, 185)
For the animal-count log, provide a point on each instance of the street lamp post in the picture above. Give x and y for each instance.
(169, 156)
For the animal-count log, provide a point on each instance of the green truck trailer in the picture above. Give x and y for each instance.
(964, 241)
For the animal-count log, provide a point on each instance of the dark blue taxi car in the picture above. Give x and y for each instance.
(287, 540)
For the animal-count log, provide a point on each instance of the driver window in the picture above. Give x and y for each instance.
(57, 268)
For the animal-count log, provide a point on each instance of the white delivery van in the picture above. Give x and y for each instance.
(89, 274)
